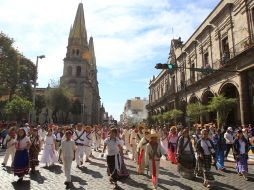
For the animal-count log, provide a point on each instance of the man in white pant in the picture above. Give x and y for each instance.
(88, 142)
(10, 141)
(97, 137)
(68, 155)
(79, 139)
(133, 143)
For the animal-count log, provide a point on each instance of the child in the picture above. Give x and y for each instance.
(153, 153)
(34, 149)
(10, 141)
(68, 155)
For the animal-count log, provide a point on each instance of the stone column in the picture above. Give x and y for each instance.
(244, 98)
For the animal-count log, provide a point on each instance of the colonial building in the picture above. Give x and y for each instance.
(134, 111)
(224, 41)
(80, 70)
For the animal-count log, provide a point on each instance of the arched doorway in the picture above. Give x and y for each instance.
(193, 99)
(230, 91)
(206, 98)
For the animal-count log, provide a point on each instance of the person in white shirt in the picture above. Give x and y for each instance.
(27, 128)
(10, 141)
(88, 142)
(229, 140)
(68, 155)
(79, 137)
(133, 144)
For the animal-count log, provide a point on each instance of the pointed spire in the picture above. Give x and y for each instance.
(78, 29)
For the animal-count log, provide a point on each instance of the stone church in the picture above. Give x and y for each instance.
(80, 71)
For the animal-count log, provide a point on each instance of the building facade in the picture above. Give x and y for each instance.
(224, 41)
(80, 71)
(134, 111)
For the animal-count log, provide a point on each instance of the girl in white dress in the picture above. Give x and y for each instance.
(49, 152)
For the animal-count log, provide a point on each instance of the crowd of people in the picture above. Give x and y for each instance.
(194, 150)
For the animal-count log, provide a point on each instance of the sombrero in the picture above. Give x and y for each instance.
(153, 134)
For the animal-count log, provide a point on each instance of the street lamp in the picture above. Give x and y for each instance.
(35, 84)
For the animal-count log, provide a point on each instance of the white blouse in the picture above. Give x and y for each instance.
(22, 144)
(112, 146)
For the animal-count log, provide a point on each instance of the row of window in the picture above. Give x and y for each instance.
(70, 71)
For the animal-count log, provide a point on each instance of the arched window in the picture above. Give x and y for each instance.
(78, 71)
(69, 70)
(73, 52)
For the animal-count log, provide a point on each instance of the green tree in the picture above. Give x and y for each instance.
(195, 111)
(222, 105)
(18, 107)
(175, 114)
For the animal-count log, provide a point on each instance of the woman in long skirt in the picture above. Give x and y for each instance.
(185, 155)
(114, 148)
(49, 152)
(20, 163)
(172, 139)
(34, 149)
(240, 151)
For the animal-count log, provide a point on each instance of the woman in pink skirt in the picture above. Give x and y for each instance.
(172, 139)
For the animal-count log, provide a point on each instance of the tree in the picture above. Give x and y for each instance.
(222, 105)
(18, 107)
(195, 111)
(175, 114)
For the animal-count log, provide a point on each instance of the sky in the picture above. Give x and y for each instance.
(130, 37)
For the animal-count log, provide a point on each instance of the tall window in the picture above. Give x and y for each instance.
(252, 15)
(192, 73)
(206, 59)
(225, 49)
(78, 72)
(77, 51)
(69, 70)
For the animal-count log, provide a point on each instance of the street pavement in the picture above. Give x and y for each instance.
(94, 177)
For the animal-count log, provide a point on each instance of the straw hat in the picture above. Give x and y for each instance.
(141, 126)
(153, 134)
(88, 127)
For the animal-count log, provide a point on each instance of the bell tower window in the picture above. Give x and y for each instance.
(78, 73)
(69, 71)
(77, 52)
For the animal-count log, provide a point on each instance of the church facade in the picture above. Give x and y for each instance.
(80, 71)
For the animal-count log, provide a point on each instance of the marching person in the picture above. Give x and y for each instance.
(185, 155)
(59, 136)
(10, 141)
(240, 152)
(88, 142)
(49, 152)
(68, 155)
(205, 151)
(79, 139)
(164, 139)
(153, 153)
(195, 139)
(172, 139)
(42, 134)
(133, 144)
(229, 137)
(20, 163)
(35, 149)
(114, 148)
(97, 137)
(141, 151)
(126, 137)
(220, 146)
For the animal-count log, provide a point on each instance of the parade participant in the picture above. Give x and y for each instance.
(220, 146)
(205, 151)
(240, 152)
(65, 128)
(27, 128)
(185, 155)
(97, 137)
(133, 144)
(49, 152)
(35, 149)
(229, 140)
(153, 153)
(114, 148)
(104, 133)
(42, 134)
(68, 155)
(195, 138)
(126, 137)
(172, 139)
(141, 151)
(20, 163)
(88, 142)
(79, 139)
(10, 141)
(59, 135)
(164, 139)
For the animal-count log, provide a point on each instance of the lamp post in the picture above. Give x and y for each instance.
(35, 84)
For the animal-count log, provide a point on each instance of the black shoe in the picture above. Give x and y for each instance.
(3, 164)
(20, 180)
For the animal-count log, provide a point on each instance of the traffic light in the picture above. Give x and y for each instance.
(164, 66)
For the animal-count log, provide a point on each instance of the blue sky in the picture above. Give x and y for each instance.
(130, 36)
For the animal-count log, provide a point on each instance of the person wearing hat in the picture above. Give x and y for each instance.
(185, 155)
(172, 139)
(35, 149)
(140, 134)
(240, 152)
(79, 139)
(229, 137)
(126, 137)
(88, 142)
(133, 143)
(153, 153)
(205, 151)
(141, 151)
(10, 141)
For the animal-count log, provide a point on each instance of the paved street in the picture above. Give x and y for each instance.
(93, 177)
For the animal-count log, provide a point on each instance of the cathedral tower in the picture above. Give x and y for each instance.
(80, 71)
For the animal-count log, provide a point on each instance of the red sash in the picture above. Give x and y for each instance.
(154, 173)
(141, 156)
